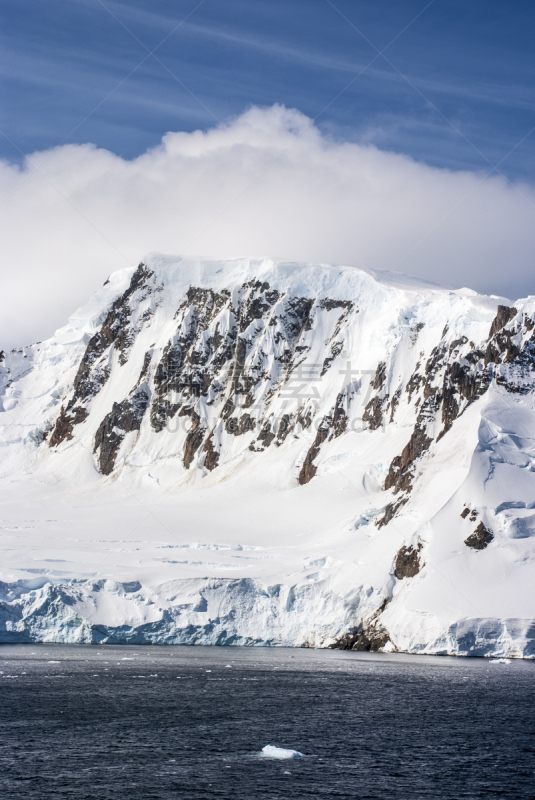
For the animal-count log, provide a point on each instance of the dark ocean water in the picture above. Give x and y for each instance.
(176, 722)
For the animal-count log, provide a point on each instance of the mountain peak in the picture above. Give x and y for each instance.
(355, 429)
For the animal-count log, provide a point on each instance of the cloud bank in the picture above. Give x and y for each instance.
(265, 184)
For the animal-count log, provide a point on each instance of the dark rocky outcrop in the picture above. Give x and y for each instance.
(504, 314)
(246, 424)
(284, 427)
(394, 403)
(336, 349)
(309, 469)
(379, 378)
(194, 438)
(415, 382)
(511, 342)
(190, 362)
(455, 376)
(145, 367)
(369, 639)
(332, 426)
(232, 425)
(371, 636)
(63, 429)
(373, 412)
(266, 435)
(391, 509)
(462, 382)
(339, 418)
(407, 563)
(480, 539)
(238, 351)
(415, 330)
(211, 458)
(330, 304)
(296, 317)
(124, 418)
(195, 365)
(93, 370)
(401, 472)
(114, 331)
(214, 355)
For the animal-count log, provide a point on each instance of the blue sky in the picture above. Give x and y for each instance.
(455, 90)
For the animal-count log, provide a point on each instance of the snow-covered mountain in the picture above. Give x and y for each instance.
(251, 452)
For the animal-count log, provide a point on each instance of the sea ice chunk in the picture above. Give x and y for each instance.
(500, 661)
(270, 751)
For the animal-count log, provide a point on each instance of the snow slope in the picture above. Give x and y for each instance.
(252, 452)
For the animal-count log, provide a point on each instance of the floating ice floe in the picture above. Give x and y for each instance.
(270, 751)
(500, 661)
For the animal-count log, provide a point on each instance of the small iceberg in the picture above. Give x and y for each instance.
(269, 751)
(500, 661)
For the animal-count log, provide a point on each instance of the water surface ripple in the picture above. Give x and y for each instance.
(148, 723)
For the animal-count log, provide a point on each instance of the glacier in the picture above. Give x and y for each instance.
(253, 452)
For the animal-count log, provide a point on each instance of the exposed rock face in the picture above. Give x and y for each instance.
(504, 314)
(244, 349)
(407, 563)
(391, 509)
(480, 539)
(66, 421)
(309, 469)
(194, 439)
(217, 354)
(400, 474)
(455, 376)
(216, 358)
(124, 418)
(373, 412)
(371, 636)
(285, 426)
(332, 426)
(191, 360)
(340, 418)
(212, 456)
(371, 639)
(116, 335)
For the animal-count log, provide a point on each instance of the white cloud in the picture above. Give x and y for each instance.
(250, 187)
